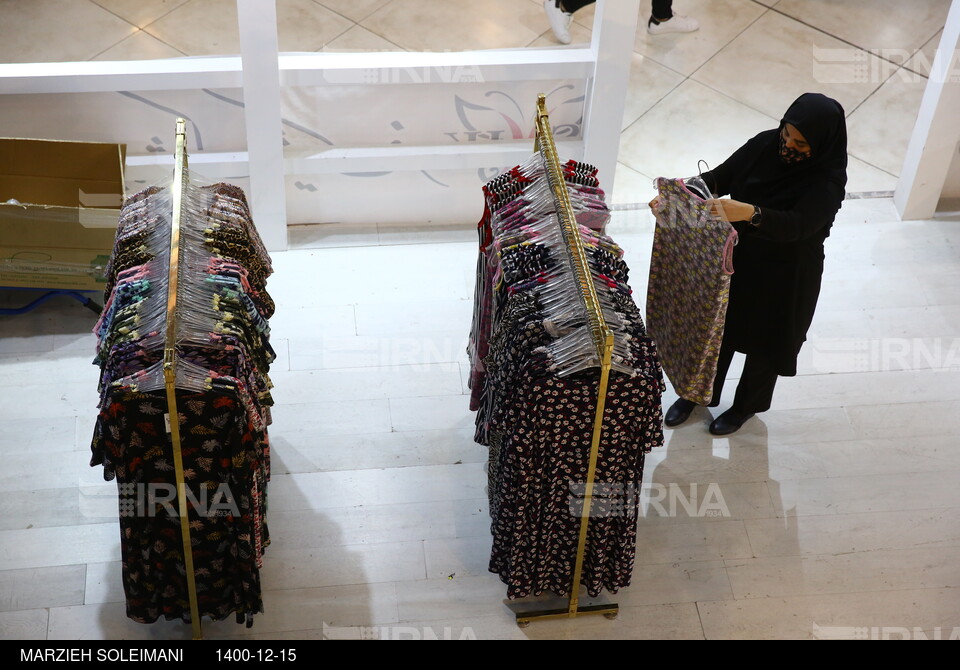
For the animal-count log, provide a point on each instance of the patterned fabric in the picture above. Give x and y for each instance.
(223, 461)
(223, 356)
(535, 413)
(689, 288)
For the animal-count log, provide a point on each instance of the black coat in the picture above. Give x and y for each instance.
(778, 265)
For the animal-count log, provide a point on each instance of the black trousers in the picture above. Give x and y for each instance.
(755, 390)
(662, 9)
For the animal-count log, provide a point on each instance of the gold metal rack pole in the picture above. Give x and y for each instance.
(170, 371)
(603, 340)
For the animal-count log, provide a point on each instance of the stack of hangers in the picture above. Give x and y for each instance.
(223, 399)
(534, 383)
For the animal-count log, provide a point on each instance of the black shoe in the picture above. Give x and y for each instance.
(679, 412)
(729, 422)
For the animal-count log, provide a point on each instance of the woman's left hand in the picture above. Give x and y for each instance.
(730, 210)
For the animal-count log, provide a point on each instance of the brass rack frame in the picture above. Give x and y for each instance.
(602, 339)
(170, 369)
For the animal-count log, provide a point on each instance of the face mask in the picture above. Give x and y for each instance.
(789, 155)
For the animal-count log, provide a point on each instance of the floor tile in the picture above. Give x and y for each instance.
(330, 418)
(104, 583)
(24, 625)
(863, 177)
(882, 25)
(324, 235)
(426, 233)
(630, 188)
(879, 129)
(284, 610)
(922, 61)
(413, 317)
(680, 582)
(46, 508)
(292, 322)
(867, 493)
(832, 616)
(46, 31)
(373, 450)
(906, 420)
(451, 598)
(649, 83)
(456, 558)
(45, 470)
(35, 436)
(662, 143)
(139, 46)
(394, 486)
(33, 588)
(352, 524)
(847, 573)
(720, 22)
(69, 545)
(796, 59)
(355, 10)
(889, 455)
(435, 25)
(695, 540)
(845, 533)
(432, 413)
(413, 350)
(140, 12)
(319, 567)
(394, 381)
(51, 400)
(211, 27)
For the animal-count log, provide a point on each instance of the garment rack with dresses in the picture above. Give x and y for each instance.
(603, 341)
(170, 370)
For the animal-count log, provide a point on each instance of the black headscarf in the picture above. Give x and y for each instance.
(768, 181)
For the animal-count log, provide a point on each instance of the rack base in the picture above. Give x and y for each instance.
(610, 611)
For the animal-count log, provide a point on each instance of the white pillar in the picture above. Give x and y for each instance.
(614, 33)
(261, 96)
(936, 133)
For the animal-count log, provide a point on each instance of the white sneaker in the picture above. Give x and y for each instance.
(676, 24)
(559, 21)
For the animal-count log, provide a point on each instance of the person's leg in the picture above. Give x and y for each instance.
(560, 15)
(723, 366)
(571, 6)
(662, 9)
(755, 390)
(663, 20)
(754, 394)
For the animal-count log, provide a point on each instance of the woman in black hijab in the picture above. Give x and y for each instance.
(786, 187)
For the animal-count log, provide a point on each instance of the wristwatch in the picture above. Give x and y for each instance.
(755, 219)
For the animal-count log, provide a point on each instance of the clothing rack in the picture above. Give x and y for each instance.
(170, 370)
(602, 339)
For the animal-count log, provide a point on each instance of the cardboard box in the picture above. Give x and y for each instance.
(59, 206)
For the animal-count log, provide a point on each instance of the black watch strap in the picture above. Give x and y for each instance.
(755, 219)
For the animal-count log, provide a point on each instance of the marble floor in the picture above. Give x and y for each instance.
(690, 95)
(839, 505)
(841, 501)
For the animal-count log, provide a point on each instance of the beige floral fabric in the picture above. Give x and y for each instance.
(689, 288)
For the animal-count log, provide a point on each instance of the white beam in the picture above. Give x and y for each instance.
(614, 33)
(261, 95)
(936, 132)
(101, 76)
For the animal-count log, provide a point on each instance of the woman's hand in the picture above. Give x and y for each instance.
(731, 210)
